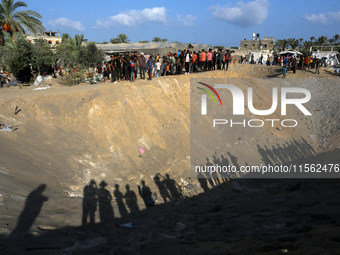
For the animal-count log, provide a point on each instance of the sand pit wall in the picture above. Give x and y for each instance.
(66, 137)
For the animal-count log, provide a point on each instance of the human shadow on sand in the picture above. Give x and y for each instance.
(33, 205)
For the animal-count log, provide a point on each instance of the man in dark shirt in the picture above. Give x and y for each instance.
(111, 68)
(126, 65)
(134, 57)
(220, 59)
(99, 69)
(118, 67)
(142, 66)
(181, 60)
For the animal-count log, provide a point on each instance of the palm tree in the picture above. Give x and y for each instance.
(307, 44)
(74, 43)
(321, 40)
(13, 21)
(336, 38)
(312, 38)
(282, 44)
(294, 43)
(70, 48)
(114, 40)
(123, 38)
(300, 42)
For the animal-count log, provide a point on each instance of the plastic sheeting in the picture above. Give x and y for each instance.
(331, 57)
(41, 79)
(257, 57)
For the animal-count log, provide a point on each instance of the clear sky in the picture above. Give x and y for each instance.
(199, 21)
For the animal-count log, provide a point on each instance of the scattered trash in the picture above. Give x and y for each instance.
(4, 231)
(126, 225)
(40, 79)
(46, 227)
(313, 138)
(141, 150)
(180, 226)
(7, 80)
(4, 195)
(188, 186)
(17, 110)
(41, 88)
(6, 128)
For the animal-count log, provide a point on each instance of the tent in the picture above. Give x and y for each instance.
(290, 53)
(257, 56)
(331, 57)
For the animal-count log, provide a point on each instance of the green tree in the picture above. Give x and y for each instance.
(71, 51)
(336, 38)
(156, 39)
(18, 57)
(282, 44)
(320, 41)
(114, 40)
(123, 38)
(307, 44)
(13, 21)
(312, 39)
(293, 43)
(331, 41)
(144, 41)
(42, 56)
(93, 54)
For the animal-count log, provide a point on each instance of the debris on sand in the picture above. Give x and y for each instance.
(6, 128)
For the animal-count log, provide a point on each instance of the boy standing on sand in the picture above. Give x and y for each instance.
(133, 70)
(284, 72)
(151, 64)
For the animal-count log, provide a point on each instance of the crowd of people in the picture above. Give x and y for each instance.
(292, 62)
(126, 67)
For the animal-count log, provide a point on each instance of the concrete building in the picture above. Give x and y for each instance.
(267, 43)
(53, 38)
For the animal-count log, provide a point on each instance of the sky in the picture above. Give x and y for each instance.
(223, 23)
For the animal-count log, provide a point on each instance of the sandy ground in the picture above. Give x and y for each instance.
(68, 136)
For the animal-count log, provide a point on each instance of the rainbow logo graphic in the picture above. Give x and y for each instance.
(204, 97)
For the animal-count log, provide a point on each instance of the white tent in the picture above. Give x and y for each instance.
(290, 52)
(257, 56)
(331, 57)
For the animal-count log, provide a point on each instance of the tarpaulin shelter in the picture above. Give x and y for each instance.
(331, 58)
